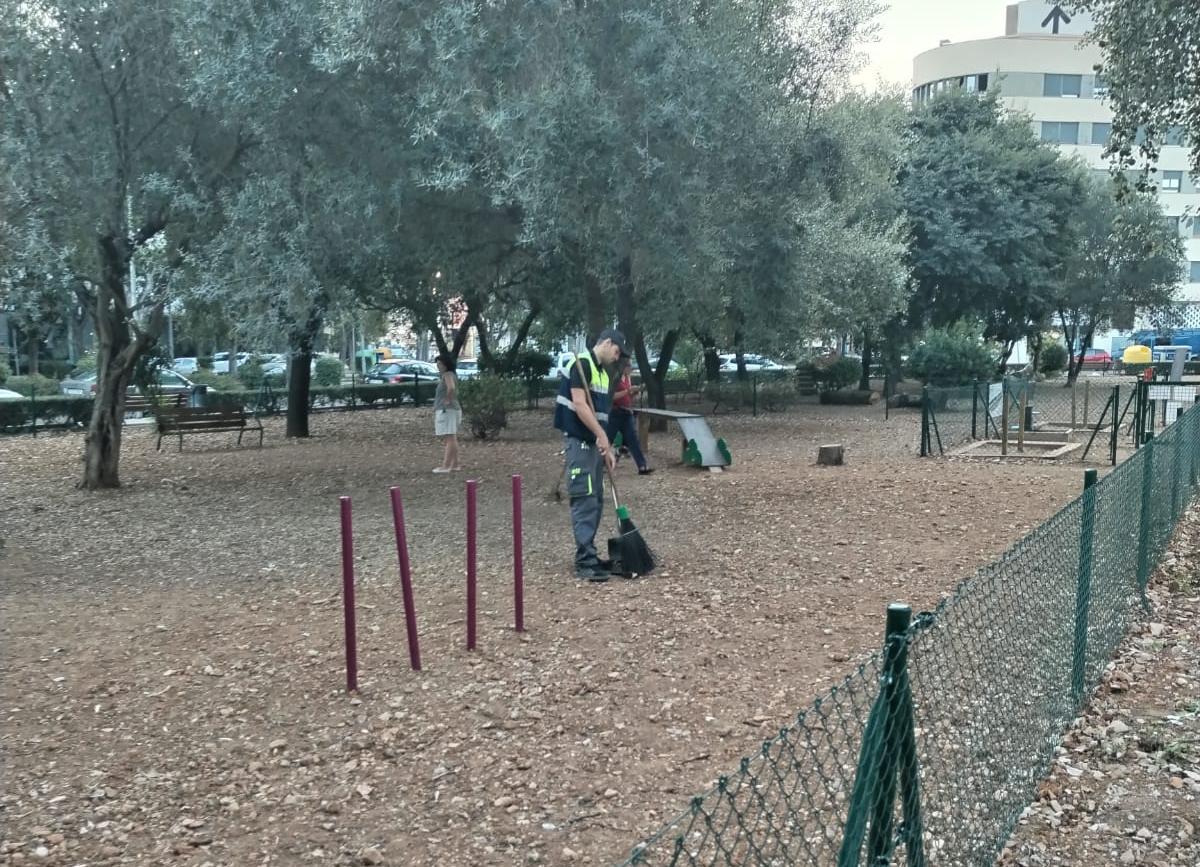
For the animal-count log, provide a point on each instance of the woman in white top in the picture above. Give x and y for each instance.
(447, 413)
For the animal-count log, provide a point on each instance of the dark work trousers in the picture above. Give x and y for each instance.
(585, 487)
(624, 422)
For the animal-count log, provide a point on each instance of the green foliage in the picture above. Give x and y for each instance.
(86, 362)
(530, 365)
(486, 401)
(841, 373)
(215, 381)
(1149, 67)
(250, 374)
(328, 372)
(953, 356)
(990, 209)
(34, 384)
(4, 372)
(1054, 358)
(70, 411)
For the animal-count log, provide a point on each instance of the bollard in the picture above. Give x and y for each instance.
(518, 558)
(1083, 589)
(472, 487)
(406, 590)
(348, 597)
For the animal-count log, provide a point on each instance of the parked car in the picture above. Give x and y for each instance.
(393, 372)
(754, 363)
(560, 363)
(672, 366)
(186, 365)
(169, 382)
(1096, 359)
(467, 368)
(221, 361)
(6, 394)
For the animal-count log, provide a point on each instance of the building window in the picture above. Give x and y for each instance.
(1060, 132)
(1196, 225)
(1172, 224)
(1100, 87)
(1101, 132)
(1195, 275)
(1172, 181)
(1062, 85)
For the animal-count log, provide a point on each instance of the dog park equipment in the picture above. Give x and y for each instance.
(1136, 354)
(700, 447)
(406, 587)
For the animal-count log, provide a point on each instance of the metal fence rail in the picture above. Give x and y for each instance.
(932, 748)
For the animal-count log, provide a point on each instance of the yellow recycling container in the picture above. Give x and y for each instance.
(1136, 355)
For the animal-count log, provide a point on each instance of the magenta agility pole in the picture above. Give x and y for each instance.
(348, 597)
(406, 591)
(472, 487)
(518, 559)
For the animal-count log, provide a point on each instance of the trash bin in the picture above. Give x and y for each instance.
(199, 396)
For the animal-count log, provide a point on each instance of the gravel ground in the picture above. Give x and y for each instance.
(173, 682)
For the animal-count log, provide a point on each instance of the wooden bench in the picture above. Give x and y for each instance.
(138, 405)
(186, 419)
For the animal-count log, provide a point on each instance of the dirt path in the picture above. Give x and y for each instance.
(172, 680)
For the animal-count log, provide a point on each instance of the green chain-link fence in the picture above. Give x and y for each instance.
(930, 751)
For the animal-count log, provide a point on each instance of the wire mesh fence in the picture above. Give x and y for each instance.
(933, 747)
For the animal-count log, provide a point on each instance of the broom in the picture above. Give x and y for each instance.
(628, 551)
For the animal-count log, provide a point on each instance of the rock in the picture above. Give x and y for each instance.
(569, 854)
(1157, 629)
(372, 856)
(1118, 728)
(41, 852)
(277, 744)
(1128, 857)
(502, 801)
(611, 793)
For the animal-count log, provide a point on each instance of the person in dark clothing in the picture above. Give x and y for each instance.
(622, 420)
(581, 410)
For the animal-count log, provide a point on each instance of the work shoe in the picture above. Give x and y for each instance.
(594, 574)
(645, 471)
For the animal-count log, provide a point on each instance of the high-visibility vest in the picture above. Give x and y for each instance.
(565, 417)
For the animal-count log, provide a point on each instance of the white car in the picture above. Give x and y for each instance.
(6, 394)
(221, 361)
(754, 363)
(467, 368)
(186, 366)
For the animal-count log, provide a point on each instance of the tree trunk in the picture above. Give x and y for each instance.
(740, 354)
(712, 361)
(593, 301)
(864, 379)
(1075, 360)
(117, 352)
(31, 346)
(233, 360)
(300, 378)
(1036, 355)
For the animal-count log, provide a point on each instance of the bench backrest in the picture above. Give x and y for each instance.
(185, 414)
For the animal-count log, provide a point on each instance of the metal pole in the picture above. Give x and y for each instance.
(348, 597)
(518, 558)
(472, 488)
(974, 410)
(1116, 425)
(1004, 416)
(1083, 590)
(1023, 420)
(1087, 397)
(925, 421)
(406, 590)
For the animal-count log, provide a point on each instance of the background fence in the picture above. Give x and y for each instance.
(934, 746)
(1100, 414)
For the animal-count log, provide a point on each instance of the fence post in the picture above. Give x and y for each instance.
(1116, 425)
(888, 749)
(33, 407)
(1178, 501)
(1004, 416)
(1083, 590)
(925, 421)
(1143, 560)
(974, 410)
(754, 393)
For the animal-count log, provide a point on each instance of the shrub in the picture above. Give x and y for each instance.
(328, 372)
(35, 384)
(842, 373)
(250, 374)
(72, 411)
(953, 356)
(1054, 358)
(4, 373)
(486, 401)
(204, 362)
(86, 363)
(215, 381)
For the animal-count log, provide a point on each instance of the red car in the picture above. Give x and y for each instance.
(1096, 358)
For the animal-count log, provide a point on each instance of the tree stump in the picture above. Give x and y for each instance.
(831, 455)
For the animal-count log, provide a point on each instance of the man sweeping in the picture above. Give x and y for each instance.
(581, 412)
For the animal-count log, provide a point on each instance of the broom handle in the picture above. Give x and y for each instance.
(612, 482)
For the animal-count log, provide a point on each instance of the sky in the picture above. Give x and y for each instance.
(912, 26)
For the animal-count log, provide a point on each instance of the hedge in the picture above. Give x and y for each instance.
(57, 410)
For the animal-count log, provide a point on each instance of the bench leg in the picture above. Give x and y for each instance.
(181, 442)
(158, 445)
(242, 431)
(260, 436)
